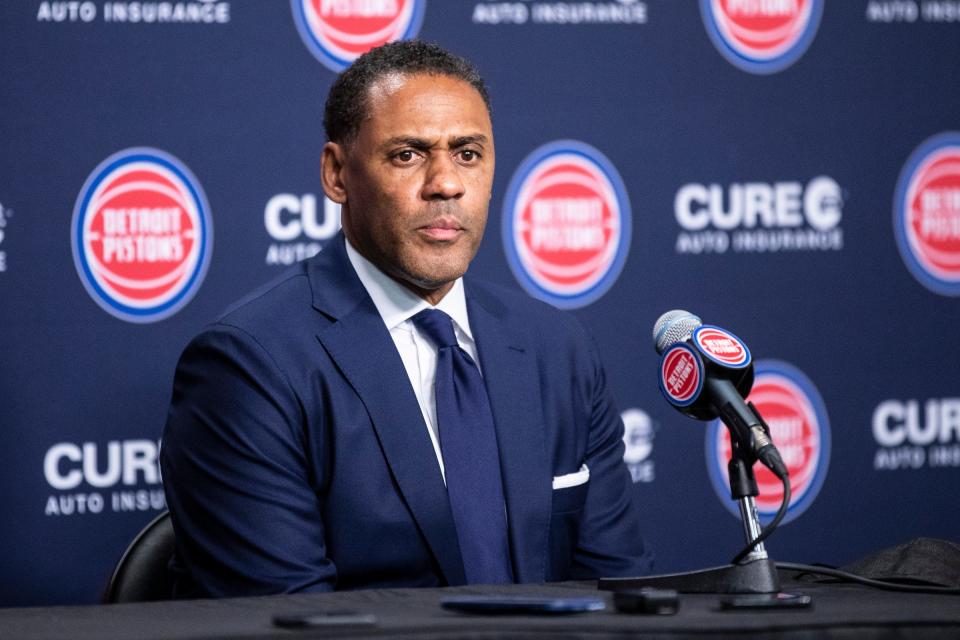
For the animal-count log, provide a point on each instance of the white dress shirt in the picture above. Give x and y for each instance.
(397, 305)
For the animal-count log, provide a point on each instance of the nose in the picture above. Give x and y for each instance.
(443, 181)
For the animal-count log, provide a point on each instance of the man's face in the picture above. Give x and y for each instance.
(415, 183)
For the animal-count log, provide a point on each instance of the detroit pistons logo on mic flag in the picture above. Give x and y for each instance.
(141, 235)
(721, 346)
(926, 214)
(761, 36)
(800, 429)
(566, 224)
(681, 375)
(338, 32)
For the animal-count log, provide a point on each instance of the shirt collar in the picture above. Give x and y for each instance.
(396, 304)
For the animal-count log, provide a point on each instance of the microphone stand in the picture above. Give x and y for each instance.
(757, 573)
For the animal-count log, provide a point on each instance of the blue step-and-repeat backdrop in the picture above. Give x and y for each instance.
(788, 169)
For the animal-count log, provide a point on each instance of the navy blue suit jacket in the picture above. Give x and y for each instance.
(295, 455)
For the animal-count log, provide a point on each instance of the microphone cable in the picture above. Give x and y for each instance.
(845, 576)
(839, 574)
(772, 525)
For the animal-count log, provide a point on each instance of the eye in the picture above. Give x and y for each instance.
(404, 156)
(469, 155)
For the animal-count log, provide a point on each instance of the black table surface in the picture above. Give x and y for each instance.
(841, 611)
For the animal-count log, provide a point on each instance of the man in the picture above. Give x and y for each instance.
(318, 436)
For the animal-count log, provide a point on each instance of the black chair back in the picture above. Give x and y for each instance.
(143, 573)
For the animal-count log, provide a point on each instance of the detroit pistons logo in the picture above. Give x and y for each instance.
(761, 36)
(338, 32)
(566, 224)
(799, 428)
(141, 235)
(681, 375)
(721, 346)
(926, 214)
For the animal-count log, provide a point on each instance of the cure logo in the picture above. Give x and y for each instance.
(926, 214)
(761, 36)
(799, 428)
(721, 346)
(566, 224)
(141, 235)
(338, 32)
(681, 375)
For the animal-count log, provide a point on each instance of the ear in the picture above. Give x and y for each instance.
(332, 162)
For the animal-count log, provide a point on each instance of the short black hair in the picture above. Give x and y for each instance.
(346, 105)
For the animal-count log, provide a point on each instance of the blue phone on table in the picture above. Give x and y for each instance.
(522, 604)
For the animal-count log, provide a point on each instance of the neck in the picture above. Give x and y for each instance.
(433, 296)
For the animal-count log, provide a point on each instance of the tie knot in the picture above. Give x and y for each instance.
(438, 326)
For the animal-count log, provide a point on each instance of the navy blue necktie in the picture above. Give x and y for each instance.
(471, 459)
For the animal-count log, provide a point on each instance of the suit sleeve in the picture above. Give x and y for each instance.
(610, 543)
(234, 463)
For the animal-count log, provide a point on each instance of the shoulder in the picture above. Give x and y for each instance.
(515, 305)
(268, 325)
(542, 323)
(265, 306)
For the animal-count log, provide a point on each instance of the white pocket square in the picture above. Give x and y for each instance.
(571, 479)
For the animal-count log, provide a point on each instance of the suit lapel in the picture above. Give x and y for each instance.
(362, 348)
(510, 374)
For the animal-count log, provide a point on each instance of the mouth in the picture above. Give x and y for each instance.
(441, 230)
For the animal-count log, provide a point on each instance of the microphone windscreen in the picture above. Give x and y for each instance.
(673, 327)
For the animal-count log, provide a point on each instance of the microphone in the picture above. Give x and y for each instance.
(705, 373)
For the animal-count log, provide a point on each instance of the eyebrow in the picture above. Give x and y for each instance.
(461, 141)
(424, 145)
